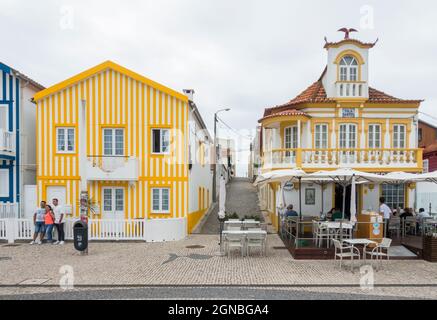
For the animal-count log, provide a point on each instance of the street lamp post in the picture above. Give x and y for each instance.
(214, 182)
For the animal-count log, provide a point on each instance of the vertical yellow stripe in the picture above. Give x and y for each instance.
(88, 107)
(131, 108)
(99, 93)
(93, 109)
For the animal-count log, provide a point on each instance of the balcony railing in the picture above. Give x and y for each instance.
(349, 89)
(7, 141)
(112, 168)
(335, 158)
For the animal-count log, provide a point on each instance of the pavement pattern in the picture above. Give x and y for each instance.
(143, 268)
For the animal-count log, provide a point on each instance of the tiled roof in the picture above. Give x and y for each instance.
(289, 112)
(315, 93)
(353, 41)
(24, 77)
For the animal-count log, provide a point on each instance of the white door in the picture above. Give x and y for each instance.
(113, 203)
(30, 201)
(56, 192)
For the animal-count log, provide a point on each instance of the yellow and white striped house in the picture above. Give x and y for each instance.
(340, 121)
(122, 138)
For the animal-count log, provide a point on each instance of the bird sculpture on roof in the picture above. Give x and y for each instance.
(347, 31)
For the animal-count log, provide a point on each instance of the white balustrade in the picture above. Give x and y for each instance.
(335, 158)
(7, 141)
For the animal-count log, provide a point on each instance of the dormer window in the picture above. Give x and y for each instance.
(348, 69)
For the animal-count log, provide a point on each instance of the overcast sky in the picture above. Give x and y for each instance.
(242, 54)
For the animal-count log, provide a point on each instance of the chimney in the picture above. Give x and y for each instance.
(189, 93)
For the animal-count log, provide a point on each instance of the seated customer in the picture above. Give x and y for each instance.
(290, 212)
(407, 213)
(337, 215)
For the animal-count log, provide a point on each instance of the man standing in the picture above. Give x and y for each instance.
(38, 221)
(386, 211)
(59, 221)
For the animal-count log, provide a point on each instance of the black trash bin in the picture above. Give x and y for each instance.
(80, 235)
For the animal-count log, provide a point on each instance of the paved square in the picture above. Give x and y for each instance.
(173, 264)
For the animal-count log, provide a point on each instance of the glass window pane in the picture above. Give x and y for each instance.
(165, 199)
(119, 199)
(107, 142)
(119, 142)
(155, 199)
(156, 140)
(165, 140)
(70, 140)
(107, 199)
(61, 139)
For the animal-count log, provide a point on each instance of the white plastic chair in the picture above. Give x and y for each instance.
(342, 251)
(234, 241)
(395, 225)
(320, 233)
(256, 240)
(378, 251)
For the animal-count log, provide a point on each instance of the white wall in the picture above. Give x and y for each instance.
(426, 195)
(199, 176)
(292, 197)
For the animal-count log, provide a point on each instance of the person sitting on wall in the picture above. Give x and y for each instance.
(290, 212)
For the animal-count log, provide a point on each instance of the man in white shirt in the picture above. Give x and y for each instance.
(386, 212)
(59, 220)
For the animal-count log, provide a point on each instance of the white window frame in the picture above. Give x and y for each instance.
(160, 199)
(399, 136)
(425, 165)
(373, 140)
(4, 173)
(161, 140)
(113, 152)
(66, 136)
(113, 199)
(345, 73)
(321, 136)
(345, 142)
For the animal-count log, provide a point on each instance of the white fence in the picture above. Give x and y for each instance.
(8, 210)
(104, 229)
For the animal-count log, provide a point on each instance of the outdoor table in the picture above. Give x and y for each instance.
(242, 232)
(364, 242)
(241, 223)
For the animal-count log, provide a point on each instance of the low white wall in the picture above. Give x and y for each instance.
(158, 230)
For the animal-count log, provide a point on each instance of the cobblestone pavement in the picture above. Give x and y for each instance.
(241, 198)
(172, 264)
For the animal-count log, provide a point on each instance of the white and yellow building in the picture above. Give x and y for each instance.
(340, 121)
(124, 139)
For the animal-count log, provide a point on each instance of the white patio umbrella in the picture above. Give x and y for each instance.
(284, 176)
(344, 177)
(222, 198)
(400, 177)
(429, 177)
